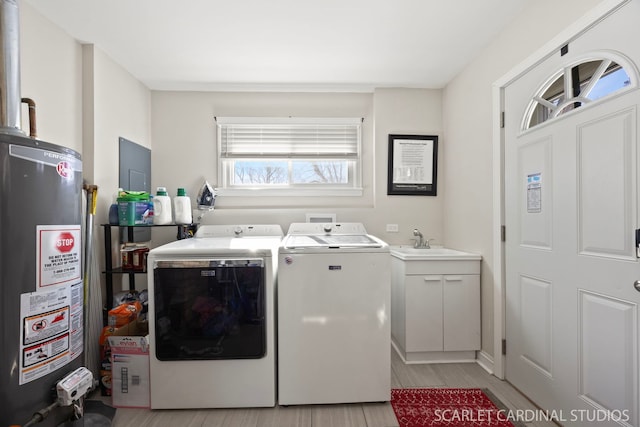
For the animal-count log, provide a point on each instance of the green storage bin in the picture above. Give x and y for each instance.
(134, 208)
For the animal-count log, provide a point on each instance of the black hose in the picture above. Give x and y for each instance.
(41, 415)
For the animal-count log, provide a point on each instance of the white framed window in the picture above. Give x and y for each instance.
(289, 156)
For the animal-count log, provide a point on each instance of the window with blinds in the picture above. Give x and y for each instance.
(289, 153)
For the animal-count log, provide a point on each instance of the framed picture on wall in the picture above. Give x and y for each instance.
(413, 165)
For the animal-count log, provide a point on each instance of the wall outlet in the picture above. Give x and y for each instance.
(392, 228)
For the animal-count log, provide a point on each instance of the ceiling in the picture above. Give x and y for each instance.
(328, 45)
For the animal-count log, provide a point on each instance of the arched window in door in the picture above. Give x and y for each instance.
(577, 85)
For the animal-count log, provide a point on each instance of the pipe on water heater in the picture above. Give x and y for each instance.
(10, 104)
(32, 116)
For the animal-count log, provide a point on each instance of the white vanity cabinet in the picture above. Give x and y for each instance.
(435, 305)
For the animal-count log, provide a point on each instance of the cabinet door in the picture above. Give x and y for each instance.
(461, 305)
(423, 299)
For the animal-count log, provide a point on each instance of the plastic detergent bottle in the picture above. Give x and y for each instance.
(113, 209)
(161, 207)
(182, 207)
(150, 210)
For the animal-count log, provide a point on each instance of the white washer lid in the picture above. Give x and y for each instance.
(242, 230)
(331, 241)
(333, 228)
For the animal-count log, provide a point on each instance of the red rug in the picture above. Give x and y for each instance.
(420, 407)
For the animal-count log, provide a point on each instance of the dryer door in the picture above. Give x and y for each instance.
(209, 309)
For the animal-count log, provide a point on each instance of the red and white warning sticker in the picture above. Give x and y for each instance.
(43, 352)
(58, 254)
(48, 335)
(41, 326)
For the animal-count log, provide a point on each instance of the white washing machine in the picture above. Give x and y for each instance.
(334, 288)
(212, 318)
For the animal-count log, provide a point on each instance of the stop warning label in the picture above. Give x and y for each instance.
(58, 254)
(65, 242)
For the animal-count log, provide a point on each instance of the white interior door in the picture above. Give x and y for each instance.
(571, 211)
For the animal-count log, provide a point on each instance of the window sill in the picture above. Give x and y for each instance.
(289, 192)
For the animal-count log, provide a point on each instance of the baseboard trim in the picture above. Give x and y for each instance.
(485, 360)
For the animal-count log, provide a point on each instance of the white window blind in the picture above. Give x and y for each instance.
(305, 138)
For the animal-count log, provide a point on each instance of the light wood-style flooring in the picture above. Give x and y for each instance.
(465, 375)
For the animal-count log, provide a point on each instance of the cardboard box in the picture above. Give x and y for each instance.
(136, 328)
(105, 364)
(129, 371)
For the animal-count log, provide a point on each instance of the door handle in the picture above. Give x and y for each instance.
(636, 285)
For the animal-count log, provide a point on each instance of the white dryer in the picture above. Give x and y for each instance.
(212, 318)
(334, 288)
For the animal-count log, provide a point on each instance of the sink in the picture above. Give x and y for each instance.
(435, 252)
(427, 251)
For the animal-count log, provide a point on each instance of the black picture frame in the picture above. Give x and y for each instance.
(413, 165)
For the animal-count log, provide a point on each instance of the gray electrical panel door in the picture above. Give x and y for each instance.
(135, 175)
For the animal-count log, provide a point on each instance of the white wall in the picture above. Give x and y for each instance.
(415, 112)
(121, 107)
(184, 154)
(117, 105)
(51, 74)
(467, 111)
(85, 101)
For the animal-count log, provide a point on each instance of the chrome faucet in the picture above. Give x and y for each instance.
(420, 242)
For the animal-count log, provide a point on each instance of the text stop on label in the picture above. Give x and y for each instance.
(65, 242)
